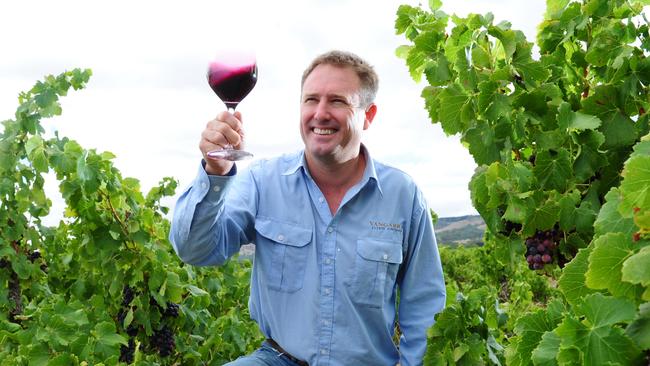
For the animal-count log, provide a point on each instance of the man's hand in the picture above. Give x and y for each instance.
(224, 130)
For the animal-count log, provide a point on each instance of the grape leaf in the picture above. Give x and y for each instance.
(452, 100)
(590, 159)
(531, 327)
(639, 329)
(597, 337)
(636, 268)
(571, 120)
(532, 72)
(106, 334)
(482, 144)
(635, 187)
(572, 282)
(610, 220)
(546, 351)
(619, 130)
(606, 262)
(553, 169)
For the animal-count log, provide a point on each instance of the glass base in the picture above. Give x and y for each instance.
(230, 154)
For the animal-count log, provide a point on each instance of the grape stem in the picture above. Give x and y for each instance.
(117, 218)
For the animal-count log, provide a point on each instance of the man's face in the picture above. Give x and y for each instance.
(331, 119)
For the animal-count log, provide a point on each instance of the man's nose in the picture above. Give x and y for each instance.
(322, 112)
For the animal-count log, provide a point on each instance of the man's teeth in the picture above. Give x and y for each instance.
(323, 131)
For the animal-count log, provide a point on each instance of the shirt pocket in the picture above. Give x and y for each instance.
(375, 270)
(284, 250)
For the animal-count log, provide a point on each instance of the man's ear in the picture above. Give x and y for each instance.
(370, 113)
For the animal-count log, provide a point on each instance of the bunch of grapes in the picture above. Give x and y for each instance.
(127, 353)
(540, 248)
(171, 311)
(163, 340)
(127, 295)
(32, 256)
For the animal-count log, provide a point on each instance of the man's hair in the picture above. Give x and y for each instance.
(365, 72)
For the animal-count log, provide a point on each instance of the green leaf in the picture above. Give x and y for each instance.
(619, 130)
(606, 311)
(531, 327)
(610, 220)
(606, 262)
(639, 329)
(581, 121)
(435, 4)
(553, 169)
(482, 144)
(597, 337)
(195, 291)
(532, 72)
(636, 268)
(635, 187)
(63, 359)
(590, 159)
(543, 214)
(546, 351)
(572, 282)
(508, 39)
(106, 334)
(555, 8)
(438, 71)
(452, 100)
(33, 143)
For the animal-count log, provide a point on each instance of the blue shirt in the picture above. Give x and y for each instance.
(323, 286)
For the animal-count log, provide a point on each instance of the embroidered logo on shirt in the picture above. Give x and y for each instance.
(378, 225)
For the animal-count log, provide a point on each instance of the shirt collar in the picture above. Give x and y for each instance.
(300, 161)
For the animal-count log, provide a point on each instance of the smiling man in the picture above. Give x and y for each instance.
(337, 233)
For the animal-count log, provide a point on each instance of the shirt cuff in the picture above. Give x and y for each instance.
(213, 187)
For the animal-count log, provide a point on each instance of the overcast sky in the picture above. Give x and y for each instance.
(148, 99)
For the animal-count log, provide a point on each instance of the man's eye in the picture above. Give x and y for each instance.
(339, 102)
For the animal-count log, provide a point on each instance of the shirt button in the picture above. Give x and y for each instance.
(325, 322)
(329, 229)
(321, 200)
(327, 291)
(216, 188)
(280, 237)
(323, 351)
(203, 185)
(385, 256)
(328, 261)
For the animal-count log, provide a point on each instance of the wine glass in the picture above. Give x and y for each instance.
(232, 75)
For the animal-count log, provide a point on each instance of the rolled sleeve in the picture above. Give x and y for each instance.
(197, 209)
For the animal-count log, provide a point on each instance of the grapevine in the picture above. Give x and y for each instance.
(103, 286)
(561, 145)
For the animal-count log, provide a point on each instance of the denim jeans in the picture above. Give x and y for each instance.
(263, 356)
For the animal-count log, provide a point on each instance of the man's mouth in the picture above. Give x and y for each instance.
(323, 131)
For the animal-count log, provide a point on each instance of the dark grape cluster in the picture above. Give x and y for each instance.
(127, 353)
(171, 311)
(509, 227)
(540, 248)
(163, 340)
(34, 256)
(127, 295)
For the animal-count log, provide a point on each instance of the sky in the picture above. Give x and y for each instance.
(148, 99)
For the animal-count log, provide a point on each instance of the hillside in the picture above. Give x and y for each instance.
(461, 230)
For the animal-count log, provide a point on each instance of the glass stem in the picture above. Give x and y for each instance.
(231, 110)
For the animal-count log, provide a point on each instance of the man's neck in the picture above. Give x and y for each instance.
(335, 179)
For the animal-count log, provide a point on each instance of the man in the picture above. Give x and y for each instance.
(337, 233)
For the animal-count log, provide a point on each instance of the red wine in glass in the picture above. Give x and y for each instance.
(232, 77)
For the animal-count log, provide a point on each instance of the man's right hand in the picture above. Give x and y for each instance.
(224, 130)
